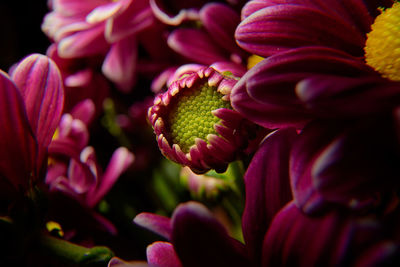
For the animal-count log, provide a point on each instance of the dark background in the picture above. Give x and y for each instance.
(20, 23)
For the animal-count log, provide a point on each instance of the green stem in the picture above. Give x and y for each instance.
(76, 254)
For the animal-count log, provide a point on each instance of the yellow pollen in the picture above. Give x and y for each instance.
(55, 227)
(253, 60)
(382, 50)
(191, 116)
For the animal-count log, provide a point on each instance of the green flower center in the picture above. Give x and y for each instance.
(382, 50)
(191, 116)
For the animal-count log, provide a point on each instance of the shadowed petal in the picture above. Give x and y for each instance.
(297, 240)
(18, 146)
(41, 86)
(266, 93)
(195, 45)
(267, 187)
(334, 96)
(156, 223)
(312, 139)
(221, 22)
(199, 239)
(337, 238)
(162, 254)
(119, 162)
(349, 170)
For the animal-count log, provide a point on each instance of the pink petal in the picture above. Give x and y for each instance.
(85, 41)
(120, 161)
(84, 111)
(158, 224)
(41, 86)
(221, 21)
(136, 17)
(74, 7)
(267, 187)
(80, 177)
(104, 12)
(200, 239)
(196, 45)
(120, 63)
(162, 254)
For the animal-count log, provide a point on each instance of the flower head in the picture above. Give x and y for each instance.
(111, 29)
(195, 123)
(73, 167)
(337, 82)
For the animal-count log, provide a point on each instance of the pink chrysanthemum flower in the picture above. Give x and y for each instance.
(101, 27)
(195, 123)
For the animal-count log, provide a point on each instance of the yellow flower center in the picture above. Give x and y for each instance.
(191, 116)
(382, 50)
(253, 60)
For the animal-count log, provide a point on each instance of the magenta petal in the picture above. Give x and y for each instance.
(265, 114)
(281, 27)
(18, 145)
(76, 7)
(199, 239)
(41, 86)
(297, 240)
(221, 22)
(196, 45)
(162, 254)
(266, 93)
(120, 63)
(121, 159)
(347, 169)
(80, 177)
(135, 18)
(86, 41)
(156, 223)
(84, 111)
(334, 96)
(353, 12)
(267, 187)
(309, 144)
(237, 70)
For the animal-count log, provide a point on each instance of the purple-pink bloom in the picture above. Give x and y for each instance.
(329, 54)
(97, 27)
(317, 79)
(194, 124)
(73, 168)
(31, 105)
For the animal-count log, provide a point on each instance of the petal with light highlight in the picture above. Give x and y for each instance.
(162, 254)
